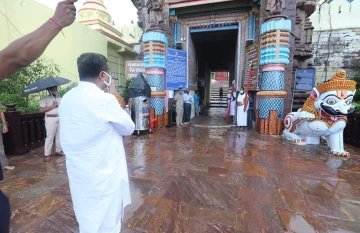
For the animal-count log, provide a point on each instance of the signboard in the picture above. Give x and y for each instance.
(251, 73)
(304, 79)
(132, 68)
(221, 76)
(176, 69)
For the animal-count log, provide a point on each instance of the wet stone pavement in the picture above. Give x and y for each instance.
(197, 180)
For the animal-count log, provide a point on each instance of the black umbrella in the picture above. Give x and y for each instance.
(44, 84)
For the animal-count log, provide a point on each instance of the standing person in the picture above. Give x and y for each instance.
(197, 103)
(188, 101)
(49, 106)
(179, 107)
(231, 99)
(92, 126)
(4, 129)
(221, 93)
(242, 108)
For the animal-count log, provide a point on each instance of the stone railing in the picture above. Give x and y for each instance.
(26, 131)
(352, 130)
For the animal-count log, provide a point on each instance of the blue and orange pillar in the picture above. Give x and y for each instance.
(154, 47)
(275, 52)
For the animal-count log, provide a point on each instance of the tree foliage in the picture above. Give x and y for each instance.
(11, 89)
(62, 90)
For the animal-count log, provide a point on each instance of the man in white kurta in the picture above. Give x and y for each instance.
(92, 126)
(242, 108)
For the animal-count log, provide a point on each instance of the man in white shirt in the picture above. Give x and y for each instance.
(49, 105)
(92, 126)
(188, 101)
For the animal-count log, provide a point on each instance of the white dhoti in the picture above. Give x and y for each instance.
(92, 126)
(241, 115)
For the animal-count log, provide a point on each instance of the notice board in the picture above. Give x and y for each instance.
(176, 69)
(132, 68)
(304, 79)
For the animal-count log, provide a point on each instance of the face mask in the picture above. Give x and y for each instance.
(108, 83)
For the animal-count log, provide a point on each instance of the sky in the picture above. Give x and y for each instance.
(122, 11)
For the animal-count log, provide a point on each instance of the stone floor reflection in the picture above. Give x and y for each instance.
(197, 179)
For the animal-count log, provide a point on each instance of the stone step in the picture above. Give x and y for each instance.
(217, 106)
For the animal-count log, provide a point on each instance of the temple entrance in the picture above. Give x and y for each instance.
(219, 85)
(216, 60)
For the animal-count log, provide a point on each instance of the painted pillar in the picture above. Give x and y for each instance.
(275, 51)
(154, 46)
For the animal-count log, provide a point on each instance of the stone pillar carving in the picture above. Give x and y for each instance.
(152, 20)
(303, 32)
(275, 42)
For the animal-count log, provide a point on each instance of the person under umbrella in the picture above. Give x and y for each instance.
(49, 105)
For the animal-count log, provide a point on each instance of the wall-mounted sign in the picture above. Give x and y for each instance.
(132, 68)
(304, 79)
(176, 69)
(252, 67)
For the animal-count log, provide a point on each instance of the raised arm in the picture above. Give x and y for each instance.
(28, 48)
(118, 117)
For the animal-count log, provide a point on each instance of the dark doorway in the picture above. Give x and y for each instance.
(215, 50)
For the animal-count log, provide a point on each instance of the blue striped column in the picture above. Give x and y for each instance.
(154, 46)
(274, 56)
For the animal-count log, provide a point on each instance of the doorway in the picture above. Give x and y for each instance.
(215, 50)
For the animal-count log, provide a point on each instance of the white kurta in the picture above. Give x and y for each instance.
(241, 117)
(232, 103)
(92, 126)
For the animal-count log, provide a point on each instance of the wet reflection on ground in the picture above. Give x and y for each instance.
(197, 179)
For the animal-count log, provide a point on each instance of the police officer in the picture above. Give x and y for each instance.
(49, 105)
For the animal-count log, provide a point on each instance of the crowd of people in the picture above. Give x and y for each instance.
(88, 124)
(237, 106)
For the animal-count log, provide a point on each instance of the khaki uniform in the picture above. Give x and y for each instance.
(51, 125)
(179, 108)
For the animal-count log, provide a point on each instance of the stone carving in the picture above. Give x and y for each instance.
(304, 29)
(324, 114)
(275, 7)
(154, 10)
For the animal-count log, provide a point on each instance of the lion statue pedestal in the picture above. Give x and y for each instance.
(324, 114)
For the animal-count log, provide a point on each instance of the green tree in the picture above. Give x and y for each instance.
(68, 87)
(11, 89)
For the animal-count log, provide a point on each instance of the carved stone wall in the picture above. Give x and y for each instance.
(146, 21)
(303, 32)
(298, 11)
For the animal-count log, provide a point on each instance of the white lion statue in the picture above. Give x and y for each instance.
(324, 114)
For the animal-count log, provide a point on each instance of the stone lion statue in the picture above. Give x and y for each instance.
(324, 114)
